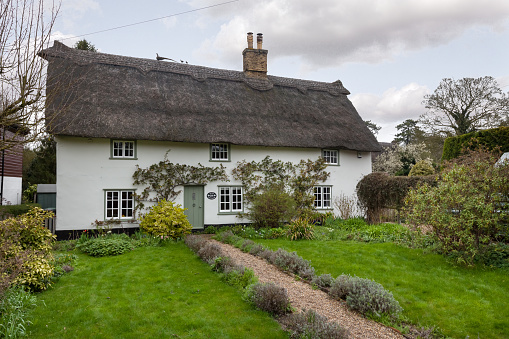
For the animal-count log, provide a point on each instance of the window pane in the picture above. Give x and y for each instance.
(224, 196)
(219, 151)
(129, 149)
(117, 148)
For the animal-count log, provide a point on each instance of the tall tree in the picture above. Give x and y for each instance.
(25, 29)
(408, 132)
(374, 128)
(85, 45)
(43, 168)
(462, 106)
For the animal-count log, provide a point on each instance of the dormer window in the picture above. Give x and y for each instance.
(123, 149)
(331, 156)
(219, 152)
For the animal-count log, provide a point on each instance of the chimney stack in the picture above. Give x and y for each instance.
(255, 60)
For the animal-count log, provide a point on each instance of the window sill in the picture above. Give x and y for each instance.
(229, 213)
(111, 158)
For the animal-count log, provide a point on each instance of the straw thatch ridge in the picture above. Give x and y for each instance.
(132, 98)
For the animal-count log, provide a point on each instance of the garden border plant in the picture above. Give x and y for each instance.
(266, 296)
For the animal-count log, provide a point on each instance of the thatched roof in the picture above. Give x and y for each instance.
(121, 97)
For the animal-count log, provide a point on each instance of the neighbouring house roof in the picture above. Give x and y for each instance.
(112, 96)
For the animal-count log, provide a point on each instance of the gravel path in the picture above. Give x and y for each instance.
(302, 296)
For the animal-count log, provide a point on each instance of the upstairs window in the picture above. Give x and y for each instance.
(122, 149)
(230, 199)
(219, 152)
(323, 196)
(119, 204)
(331, 156)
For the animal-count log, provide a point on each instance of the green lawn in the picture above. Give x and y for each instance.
(151, 292)
(461, 301)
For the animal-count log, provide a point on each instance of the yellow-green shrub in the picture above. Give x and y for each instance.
(25, 250)
(166, 220)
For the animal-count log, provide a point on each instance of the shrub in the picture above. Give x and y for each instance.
(195, 242)
(166, 219)
(346, 205)
(256, 249)
(293, 263)
(269, 297)
(423, 167)
(25, 251)
(321, 281)
(490, 139)
(239, 277)
(16, 210)
(246, 245)
(223, 264)
(15, 307)
(365, 296)
(209, 252)
(271, 208)
(377, 191)
(466, 210)
(113, 244)
(309, 324)
(300, 229)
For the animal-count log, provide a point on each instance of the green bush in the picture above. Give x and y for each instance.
(271, 208)
(293, 263)
(16, 210)
(269, 298)
(25, 251)
(377, 191)
(309, 324)
(323, 280)
(465, 211)
(422, 168)
(113, 244)
(166, 220)
(239, 277)
(490, 139)
(300, 229)
(365, 296)
(15, 307)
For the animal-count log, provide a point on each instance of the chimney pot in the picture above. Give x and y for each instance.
(259, 40)
(250, 40)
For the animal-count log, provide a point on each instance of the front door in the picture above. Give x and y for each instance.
(193, 201)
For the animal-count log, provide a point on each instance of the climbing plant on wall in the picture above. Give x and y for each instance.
(297, 180)
(161, 180)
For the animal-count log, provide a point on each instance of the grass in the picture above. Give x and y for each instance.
(461, 301)
(151, 292)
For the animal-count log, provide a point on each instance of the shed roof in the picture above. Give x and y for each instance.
(112, 96)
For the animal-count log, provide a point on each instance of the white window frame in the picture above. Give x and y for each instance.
(123, 149)
(219, 152)
(231, 199)
(323, 197)
(119, 204)
(331, 156)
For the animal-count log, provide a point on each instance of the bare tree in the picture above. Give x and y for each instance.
(461, 106)
(25, 30)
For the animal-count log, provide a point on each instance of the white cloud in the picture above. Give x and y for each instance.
(67, 39)
(391, 108)
(72, 10)
(331, 32)
(170, 22)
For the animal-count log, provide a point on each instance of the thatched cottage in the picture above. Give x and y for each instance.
(126, 111)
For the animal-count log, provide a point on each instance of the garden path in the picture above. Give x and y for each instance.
(303, 296)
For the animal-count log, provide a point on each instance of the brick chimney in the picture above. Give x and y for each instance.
(255, 60)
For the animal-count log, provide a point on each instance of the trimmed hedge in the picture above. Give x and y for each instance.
(491, 138)
(380, 190)
(16, 210)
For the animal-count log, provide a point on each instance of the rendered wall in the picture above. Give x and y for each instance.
(12, 191)
(85, 170)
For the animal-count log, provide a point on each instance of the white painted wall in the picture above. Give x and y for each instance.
(12, 190)
(85, 170)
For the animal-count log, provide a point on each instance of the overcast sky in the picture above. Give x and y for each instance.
(387, 53)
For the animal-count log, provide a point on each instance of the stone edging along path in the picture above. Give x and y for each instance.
(303, 296)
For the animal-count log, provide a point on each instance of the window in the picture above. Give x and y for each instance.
(322, 197)
(219, 152)
(331, 156)
(120, 204)
(230, 199)
(121, 149)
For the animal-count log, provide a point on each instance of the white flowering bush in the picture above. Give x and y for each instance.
(399, 159)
